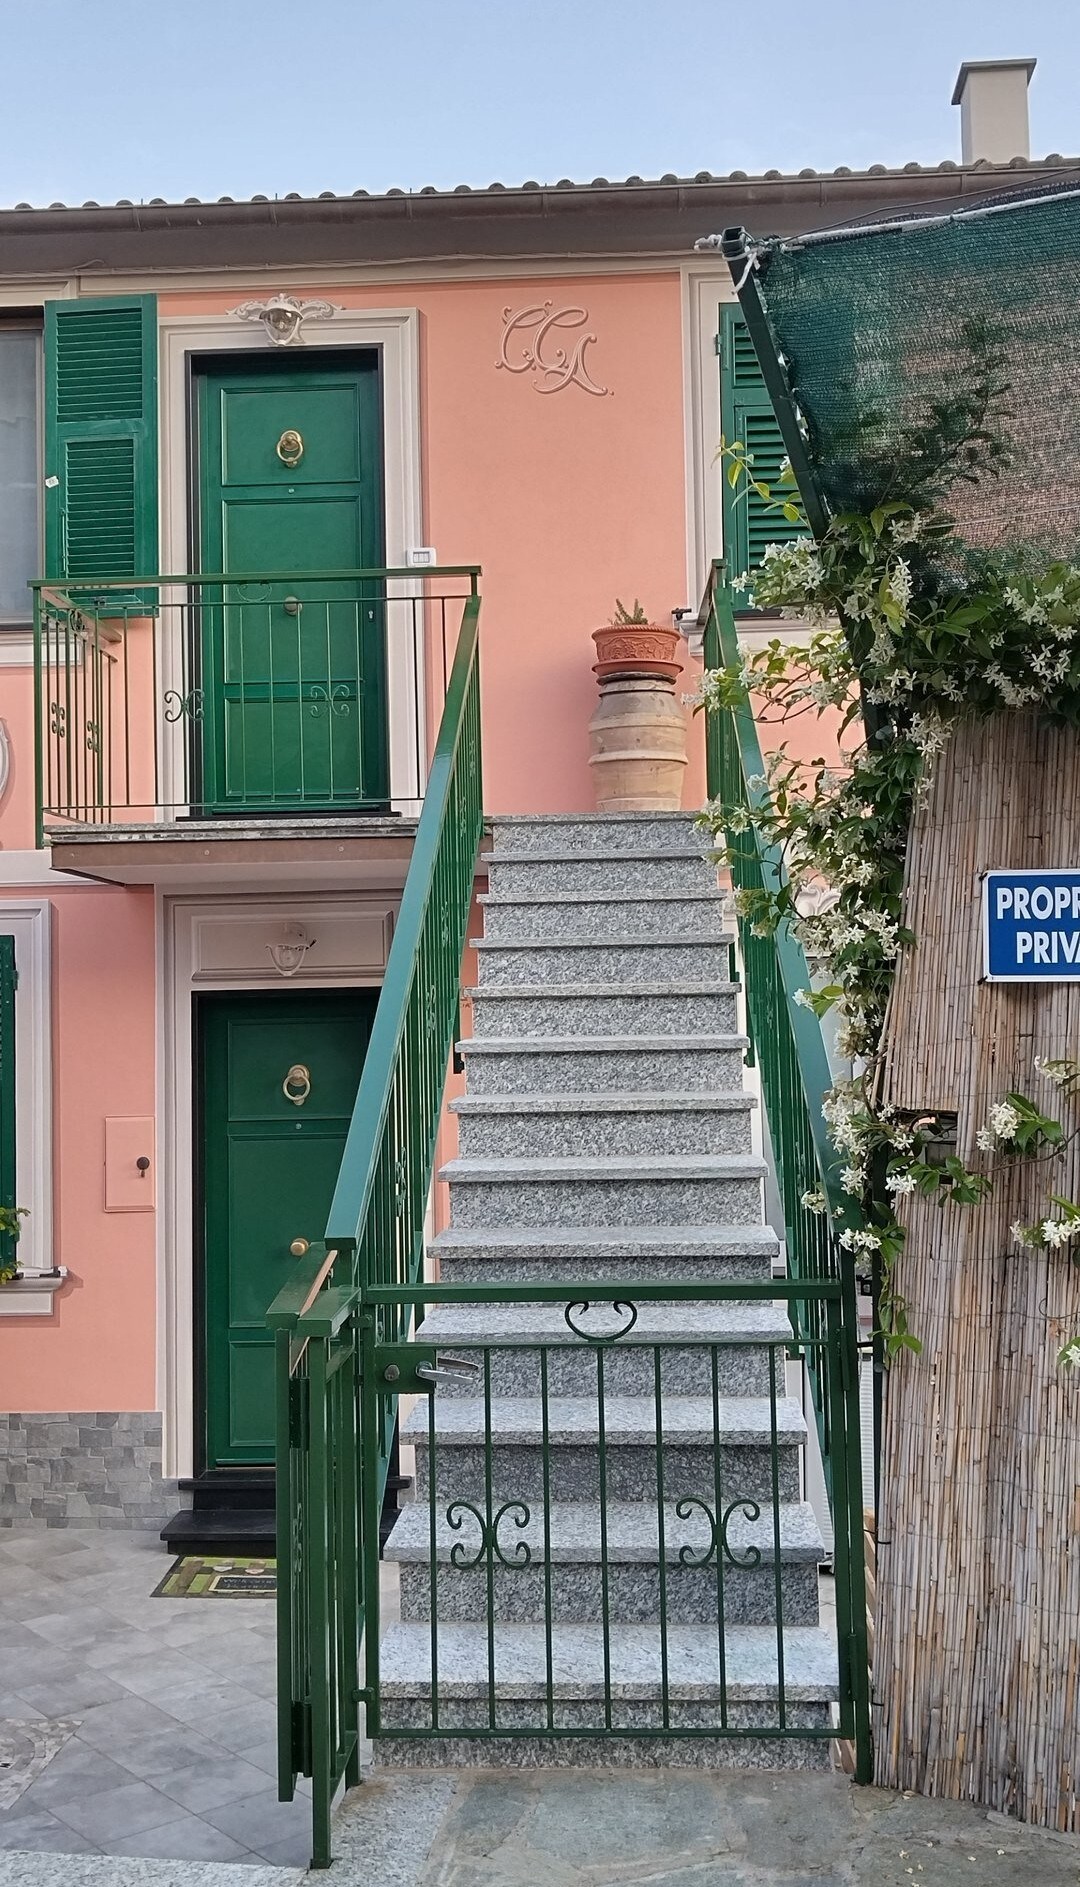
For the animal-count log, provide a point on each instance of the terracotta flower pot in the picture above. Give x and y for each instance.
(637, 648)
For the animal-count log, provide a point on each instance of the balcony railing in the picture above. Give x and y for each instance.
(181, 697)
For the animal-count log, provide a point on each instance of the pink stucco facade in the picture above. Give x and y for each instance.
(566, 499)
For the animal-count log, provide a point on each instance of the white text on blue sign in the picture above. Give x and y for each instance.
(1031, 926)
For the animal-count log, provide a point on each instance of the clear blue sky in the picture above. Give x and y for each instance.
(140, 98)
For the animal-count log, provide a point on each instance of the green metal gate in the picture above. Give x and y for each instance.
(344, 1358)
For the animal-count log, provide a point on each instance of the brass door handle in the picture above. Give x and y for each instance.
(290, 447)
(297, 1084)
(299, 1246)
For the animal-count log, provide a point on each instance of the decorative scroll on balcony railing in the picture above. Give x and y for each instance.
(207, 696)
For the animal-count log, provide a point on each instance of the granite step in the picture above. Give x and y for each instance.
(501, 1436)
(604, 1008)
(558, 1560)
(723, 1188)
(498, 1126)
(599, 917)
(679, 870)
(610, 1254)
(642, 1672)
(681, 1335)
(631, 958)
(566, 833)
(593, 1064)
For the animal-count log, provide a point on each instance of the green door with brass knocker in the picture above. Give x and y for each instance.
(277, 1077)
(292, 675)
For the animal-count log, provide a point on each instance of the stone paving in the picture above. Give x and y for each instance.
(594, 1828)
(165, 1706)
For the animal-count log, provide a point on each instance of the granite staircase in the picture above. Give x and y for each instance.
(605, 1135)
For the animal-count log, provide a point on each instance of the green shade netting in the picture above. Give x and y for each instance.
(919, 324)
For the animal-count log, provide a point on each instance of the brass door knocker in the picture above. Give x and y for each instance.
(297, 1084)
(290, 448)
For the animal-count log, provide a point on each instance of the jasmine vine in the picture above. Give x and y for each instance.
(901, 656)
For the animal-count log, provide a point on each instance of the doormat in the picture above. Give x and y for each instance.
(205, 1578)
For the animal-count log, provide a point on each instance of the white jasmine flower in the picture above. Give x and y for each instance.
(900, 1183)
(1069, 1354)
(860, 1241)
(1004, 1121)
(1057, 1232)
(985, 1140)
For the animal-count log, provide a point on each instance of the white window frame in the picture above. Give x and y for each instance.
(16, 631)
(29, 921)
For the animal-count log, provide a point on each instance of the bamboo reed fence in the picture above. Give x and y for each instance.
(977, 1660)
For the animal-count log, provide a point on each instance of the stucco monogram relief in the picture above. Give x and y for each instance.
(534, 334)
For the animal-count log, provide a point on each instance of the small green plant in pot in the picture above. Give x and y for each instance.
(10, 1227)
(631, 644)
(637, 735)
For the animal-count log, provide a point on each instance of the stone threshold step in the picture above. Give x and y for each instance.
(698, 1323)
(636, 1654)
(572, 1535)
(632, 1167)
(563, 855)
(599, 1044)
(629, 1421)
(593, 819)
(514, 992)
(621, 941)
(653, 1101)
(563, 1244)
(643, 895)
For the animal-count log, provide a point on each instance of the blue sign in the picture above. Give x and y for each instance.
(1031, 926)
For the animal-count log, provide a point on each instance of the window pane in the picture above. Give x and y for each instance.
(19, 477)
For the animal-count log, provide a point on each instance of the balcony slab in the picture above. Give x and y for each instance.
(320, 852)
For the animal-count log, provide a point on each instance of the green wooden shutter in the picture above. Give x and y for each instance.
(746, 413)
(8, 1174)
(101, 437)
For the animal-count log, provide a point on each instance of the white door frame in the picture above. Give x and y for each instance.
(395, 333)
(185, 930)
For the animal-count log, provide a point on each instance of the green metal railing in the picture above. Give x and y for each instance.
(792, 1061)
(334, 1426)
(202, 696)
(786, 1038)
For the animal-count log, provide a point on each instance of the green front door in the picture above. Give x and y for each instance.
(271, 1147)
(292, 675)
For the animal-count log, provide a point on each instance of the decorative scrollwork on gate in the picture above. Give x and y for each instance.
(336, 699)
(628, 1311)
(178, 705)
(58, 720)
(718, 1542)
(490, 1545)
(93, 736)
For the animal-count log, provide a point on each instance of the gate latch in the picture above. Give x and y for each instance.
(450, 1369)
(409, 1369)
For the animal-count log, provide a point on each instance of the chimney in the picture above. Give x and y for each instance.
(992, 96)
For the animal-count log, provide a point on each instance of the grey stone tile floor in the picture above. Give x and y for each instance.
(167, 1761)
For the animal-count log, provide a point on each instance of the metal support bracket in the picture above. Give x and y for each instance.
(398, 1366)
